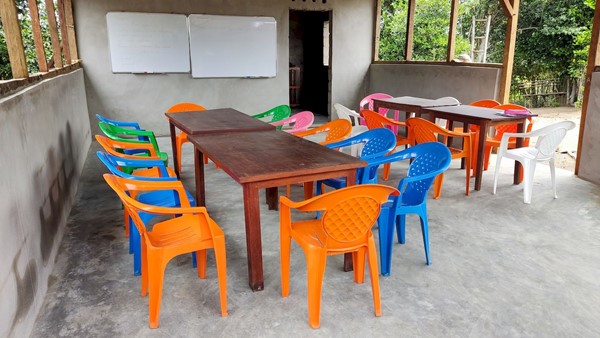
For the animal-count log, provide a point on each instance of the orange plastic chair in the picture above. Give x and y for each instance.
(190, 230)
(375, 120)
(181, 138)
(487, 103)
(345, 227)
(336, 130)
(422, 131)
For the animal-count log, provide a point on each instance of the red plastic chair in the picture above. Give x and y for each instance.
(181, 138)
(345, 227)
(190, 230)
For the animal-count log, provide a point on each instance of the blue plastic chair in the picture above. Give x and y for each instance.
(376, 143)
(123, 124)
(158, 198)
(428, 161)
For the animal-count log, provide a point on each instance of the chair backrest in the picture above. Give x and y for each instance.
(276, 113)
(487, 103)
(346, 113)
(447, 100)
(124, 124)
(336, 130)
(550, 137)
(423, 131)
(127, 135)
(428, 160)
(376, 143)
(367, 102)
(375, 120)
(299, 122)
(116, 148)
(512, 128)
(184, 106)
(349, 212)
(120, 166)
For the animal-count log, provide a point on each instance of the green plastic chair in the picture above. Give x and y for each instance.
(277, 114)
(133, 136)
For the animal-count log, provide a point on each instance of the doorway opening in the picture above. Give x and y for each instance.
(310, 61)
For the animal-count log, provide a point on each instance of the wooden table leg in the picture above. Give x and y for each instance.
(272, 195)
(351, 180)
(519, 144)
(199, 168)
(308, 189)
(174, 147)
(253, 238)
(483, 127)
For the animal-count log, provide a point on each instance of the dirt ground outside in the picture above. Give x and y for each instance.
(567, 152)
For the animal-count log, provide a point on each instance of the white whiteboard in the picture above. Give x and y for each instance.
(233, 46)
(148, 42)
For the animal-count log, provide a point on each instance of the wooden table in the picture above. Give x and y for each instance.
(408, 104)
(211, 121)
(484, 118)
(267, 159)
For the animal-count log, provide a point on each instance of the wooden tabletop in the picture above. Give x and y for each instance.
(216, 121)
(415, 101)
(473, 114)
(267, 155)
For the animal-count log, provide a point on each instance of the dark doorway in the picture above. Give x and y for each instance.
(309, 41)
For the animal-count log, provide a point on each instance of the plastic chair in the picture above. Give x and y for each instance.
(190, 230)
(487, 103)
(335, 130)
(124, 124)
(376, 143)
(124, 149)
(299, 122)
(375, 120)
(275, 114)
(345, 227)
(548, 139)
(428, 160)
(149, 170)
(367, 103)
(127, 135)
(346, 113)
(422, 131)
(181, 138)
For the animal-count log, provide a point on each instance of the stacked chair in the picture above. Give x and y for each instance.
(275, 114)
(147, 189)
(298, 122)
(333, 131)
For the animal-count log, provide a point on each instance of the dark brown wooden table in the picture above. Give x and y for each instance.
(267, 159)
(211, 121)
(484, 118)
(409, 104)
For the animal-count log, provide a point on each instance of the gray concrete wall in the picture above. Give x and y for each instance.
(145, 97)
(44, 139)
(465, 83)
(590, 146)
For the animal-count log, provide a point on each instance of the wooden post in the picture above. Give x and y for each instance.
(593, 60)
(377, 30)
(511, 10)
(452, 33)
(63, 31)
(37, 36)
(54, 34)
(14, 40)
(410, 27)
(71, 30)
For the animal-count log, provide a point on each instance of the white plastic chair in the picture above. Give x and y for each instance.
(346, 113)
(548, 139)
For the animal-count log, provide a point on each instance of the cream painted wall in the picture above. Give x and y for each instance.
(589, 167)
(144, 98)
(44, 139)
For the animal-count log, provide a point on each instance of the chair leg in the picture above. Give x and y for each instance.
(486, 157)
(194, 260)
(126, 221)
(425, 231)
(437, 186)
(496, 170)
(468, 174)
(221, 263)
(144, 279)
(374, 274)
(315, 262)
(386, 171)
(285, 244)
(358, 262)
(137, 254)
(529, 168)
(553, 176)
(386, 235)
(201, 263)
(401, 228)
(156, 270)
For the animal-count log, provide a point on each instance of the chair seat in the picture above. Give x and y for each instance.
(162, 198)
(529, 153)
(179, 231)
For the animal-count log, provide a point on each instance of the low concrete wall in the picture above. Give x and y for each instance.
(465, 83)
(44, 139)
(145, 98)
(589, 166)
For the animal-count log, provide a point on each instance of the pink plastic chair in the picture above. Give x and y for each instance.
(367, 103)
(299, 122)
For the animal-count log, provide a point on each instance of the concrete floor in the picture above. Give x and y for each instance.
(499, 268)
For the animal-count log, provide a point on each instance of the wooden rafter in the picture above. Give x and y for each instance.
(54, 34)
(377, 30)
(593, 60)
(510, 40)
(63, 31)
(410, 26)
(452, 33)
(508, 7)
(71, 30)
(37, 36)
(14, 40)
